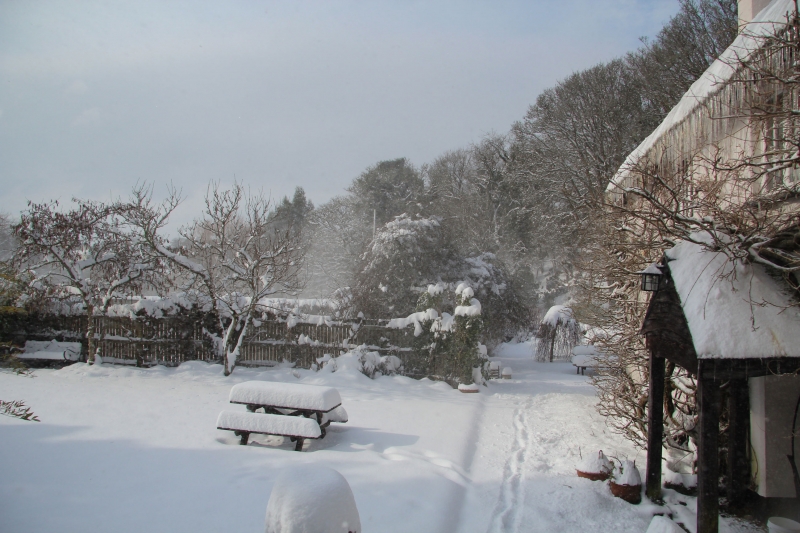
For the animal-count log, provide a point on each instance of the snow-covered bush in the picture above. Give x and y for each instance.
(312, 499)
(558, 333)
(368, 362)
(447, 345)
(408, 254)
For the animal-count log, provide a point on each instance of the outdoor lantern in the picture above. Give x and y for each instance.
(651, 278)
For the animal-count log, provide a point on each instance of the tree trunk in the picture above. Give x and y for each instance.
(91, 347)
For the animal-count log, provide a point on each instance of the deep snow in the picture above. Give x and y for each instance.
(128, 450)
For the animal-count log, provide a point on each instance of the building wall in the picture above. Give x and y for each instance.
(772, 408)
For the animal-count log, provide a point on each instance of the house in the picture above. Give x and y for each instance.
(723, 171)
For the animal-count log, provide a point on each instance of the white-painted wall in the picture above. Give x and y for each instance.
(748, 9)
(772, 404)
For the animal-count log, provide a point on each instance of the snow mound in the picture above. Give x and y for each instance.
(312, 499)
(596, 464)
(662, 524)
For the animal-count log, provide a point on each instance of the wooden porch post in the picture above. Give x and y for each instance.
(738, 465)
(655, 427)
(708, 398)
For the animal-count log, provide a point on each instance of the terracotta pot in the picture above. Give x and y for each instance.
(629, 493)
(465, 391)
(594, 476)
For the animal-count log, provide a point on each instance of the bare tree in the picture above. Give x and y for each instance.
(234, 256)
(87, 252)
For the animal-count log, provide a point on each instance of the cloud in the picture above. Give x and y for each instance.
(88, 117)
(77, 87)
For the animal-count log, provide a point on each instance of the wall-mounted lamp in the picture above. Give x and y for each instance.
(651, 278)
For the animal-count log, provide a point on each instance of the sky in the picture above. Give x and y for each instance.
(97, 96)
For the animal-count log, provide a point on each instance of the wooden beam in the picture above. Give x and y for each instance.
(738, 421)
(655, 427)
(725, 369)
(708, 397)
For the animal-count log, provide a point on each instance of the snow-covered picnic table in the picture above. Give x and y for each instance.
(289, 409)
(584, 357)
(51, 351)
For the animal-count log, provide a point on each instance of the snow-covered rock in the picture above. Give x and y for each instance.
(312, 499)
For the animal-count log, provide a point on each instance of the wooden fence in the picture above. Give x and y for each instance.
(147, 341)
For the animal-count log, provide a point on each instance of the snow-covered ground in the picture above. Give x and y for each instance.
(124, 449)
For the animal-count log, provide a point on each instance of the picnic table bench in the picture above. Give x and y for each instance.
(291, 410)
(584, 357)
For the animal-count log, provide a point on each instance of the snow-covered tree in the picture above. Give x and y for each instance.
(87, 253)
(233, 256)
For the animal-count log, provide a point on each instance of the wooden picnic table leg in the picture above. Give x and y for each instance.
(244, 437)
(321, 427)
(299, 446)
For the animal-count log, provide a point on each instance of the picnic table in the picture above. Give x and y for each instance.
(584, 357)
(293, 410)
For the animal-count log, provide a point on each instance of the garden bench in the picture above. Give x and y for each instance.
(313, 406)
(298, 429)
(584, 357)
(51, 351)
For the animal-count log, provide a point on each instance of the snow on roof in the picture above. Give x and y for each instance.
(652, 269)
(734, 310)
(768, 21)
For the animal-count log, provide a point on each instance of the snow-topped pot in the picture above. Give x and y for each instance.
(506, 373)
(471, 388)
(596, 467)
(314, 499)
(627, 483)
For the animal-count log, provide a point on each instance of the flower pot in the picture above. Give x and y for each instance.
(777, 524)
(594, 476)
(629, 493)
(596, 467)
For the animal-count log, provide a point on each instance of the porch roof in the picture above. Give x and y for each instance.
(734, 310)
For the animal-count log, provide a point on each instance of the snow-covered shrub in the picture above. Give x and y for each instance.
(370, 361)
(312, 499)
(447, 345)
(409, 254)
(558, 333)
(391, 364)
